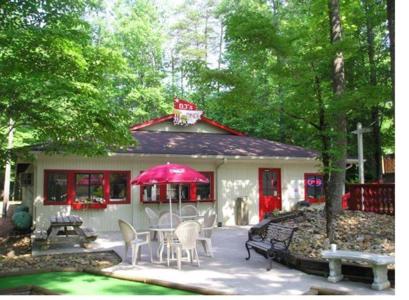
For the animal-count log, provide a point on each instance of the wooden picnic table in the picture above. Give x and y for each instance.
(66, 229)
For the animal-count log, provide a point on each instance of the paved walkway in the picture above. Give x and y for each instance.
(227, 271)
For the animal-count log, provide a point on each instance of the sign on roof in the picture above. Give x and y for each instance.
(183, 104)
(185, 113)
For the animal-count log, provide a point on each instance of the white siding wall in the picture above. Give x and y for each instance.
(102, 219)
(239, 179)
(233, 179)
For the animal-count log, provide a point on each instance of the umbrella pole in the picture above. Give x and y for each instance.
(180, 201)
(171, 226)
(170, 209)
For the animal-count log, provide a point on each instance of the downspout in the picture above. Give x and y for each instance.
(219, 221)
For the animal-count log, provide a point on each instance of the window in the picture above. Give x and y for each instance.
(150, 193)
(172, 192)
(189, 192)
(270, 183)
(89, 188)
(314, 187)
(56, 187)
(86, 187)
(204, 191)
(118, 187)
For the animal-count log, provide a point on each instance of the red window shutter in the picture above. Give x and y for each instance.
(162, 193)
(192, 192)
(106, 186)
(71, 187)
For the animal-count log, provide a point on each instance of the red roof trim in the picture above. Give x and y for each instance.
(169, 117)
(151, 122)
(221, 126)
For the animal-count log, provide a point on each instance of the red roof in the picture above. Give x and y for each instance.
(204, 119)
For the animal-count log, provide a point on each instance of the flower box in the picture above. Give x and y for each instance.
(82, 205)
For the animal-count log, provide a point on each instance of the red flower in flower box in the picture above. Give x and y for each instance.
(83, 205)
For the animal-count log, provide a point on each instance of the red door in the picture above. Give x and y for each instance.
(269, 190)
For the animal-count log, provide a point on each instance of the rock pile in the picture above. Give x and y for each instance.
(355, 230)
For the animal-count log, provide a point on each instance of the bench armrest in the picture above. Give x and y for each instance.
(255, 237)
(273, 243)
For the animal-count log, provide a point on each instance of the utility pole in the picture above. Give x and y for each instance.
(359, 132)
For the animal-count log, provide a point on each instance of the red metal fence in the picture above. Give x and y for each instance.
(377, 198)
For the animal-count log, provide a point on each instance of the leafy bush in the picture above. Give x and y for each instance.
(22, 220)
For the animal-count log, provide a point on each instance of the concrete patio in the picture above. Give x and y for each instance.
(227, 271)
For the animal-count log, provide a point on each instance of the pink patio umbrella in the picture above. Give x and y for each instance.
(170, 173)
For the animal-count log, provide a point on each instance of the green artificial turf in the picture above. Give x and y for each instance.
(77, 283)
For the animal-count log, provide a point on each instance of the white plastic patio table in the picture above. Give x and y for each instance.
(191, 217)
(167, 234)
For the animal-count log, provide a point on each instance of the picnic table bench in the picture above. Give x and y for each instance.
(378, 262)
(271, 242)
(65, 229)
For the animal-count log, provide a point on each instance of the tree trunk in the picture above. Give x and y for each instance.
(7, 172)
(376, 132)
(282, 119)
(390, 9)
(181, 80)
(219, 60)
(206, 33)
(323, 131)
(173, 74)
(280, 91)
(336, 176)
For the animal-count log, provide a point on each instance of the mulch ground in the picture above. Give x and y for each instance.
(15, 254)
(5, 224)
(12, 242)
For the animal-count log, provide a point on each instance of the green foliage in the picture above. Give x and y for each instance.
(261, 66)
(54, 82)
(278, 71)
(136, 34)
(194, 38)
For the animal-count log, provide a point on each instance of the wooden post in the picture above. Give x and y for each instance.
(359, 132)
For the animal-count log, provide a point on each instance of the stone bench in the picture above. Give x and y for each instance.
(378, 262)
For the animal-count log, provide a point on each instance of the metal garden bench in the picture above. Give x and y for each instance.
(270, 240)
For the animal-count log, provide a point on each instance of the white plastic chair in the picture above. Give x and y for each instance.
(187, 233)
(163, 221)
(205, 236)
(153, 218)
(131, 239)
(207, 213)
(189, 210)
